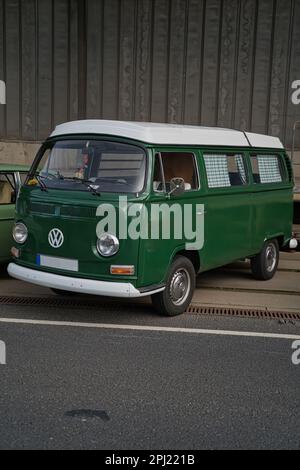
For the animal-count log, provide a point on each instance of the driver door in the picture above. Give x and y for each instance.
(168, 214)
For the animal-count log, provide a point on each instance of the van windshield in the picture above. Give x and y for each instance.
(104, 166)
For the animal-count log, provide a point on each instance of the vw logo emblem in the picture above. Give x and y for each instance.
(55, 238)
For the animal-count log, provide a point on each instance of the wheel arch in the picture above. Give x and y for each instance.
(192, 255)
(279, 237)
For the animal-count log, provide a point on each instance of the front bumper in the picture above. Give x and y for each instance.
(73, 284)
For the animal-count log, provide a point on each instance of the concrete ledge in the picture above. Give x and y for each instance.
(18, 152)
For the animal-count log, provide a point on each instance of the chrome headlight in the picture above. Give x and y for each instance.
(107, 244)
(20, 232)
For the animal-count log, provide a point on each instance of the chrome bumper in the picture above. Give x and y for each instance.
(73, 284)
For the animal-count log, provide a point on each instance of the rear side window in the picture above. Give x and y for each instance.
(266, 168)
(225, 170)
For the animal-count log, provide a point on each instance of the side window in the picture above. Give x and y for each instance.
(266, 169)
(23, 177)
(175, 165)
(225, 170)
(7, 189)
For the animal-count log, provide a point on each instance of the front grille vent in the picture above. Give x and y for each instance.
(75, 211)
(63, 210)
(42, 208)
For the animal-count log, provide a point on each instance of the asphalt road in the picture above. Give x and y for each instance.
(70, 386)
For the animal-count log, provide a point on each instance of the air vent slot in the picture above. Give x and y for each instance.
(74, 211)
(63, 210)
(41, 208)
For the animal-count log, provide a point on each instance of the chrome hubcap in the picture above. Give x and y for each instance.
(180, 286)
(271, 257)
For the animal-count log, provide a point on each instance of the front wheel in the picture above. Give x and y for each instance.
(264, 265)
(179, 290)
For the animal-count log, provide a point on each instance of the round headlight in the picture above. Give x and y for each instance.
(107, 245)
(20, 232)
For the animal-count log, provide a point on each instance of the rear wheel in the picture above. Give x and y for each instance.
(264, 265)
(179, 290)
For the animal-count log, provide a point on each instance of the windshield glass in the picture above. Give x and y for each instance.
(103, 166)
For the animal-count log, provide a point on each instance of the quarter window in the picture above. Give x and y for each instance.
(266, 169)
(225, 170)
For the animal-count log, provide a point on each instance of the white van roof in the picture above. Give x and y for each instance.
(169, 134)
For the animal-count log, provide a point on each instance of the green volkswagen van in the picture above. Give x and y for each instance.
(11, 178)
(130, 209)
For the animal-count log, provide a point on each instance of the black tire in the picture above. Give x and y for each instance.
(264, 264)
(182, 274)
(62, 292)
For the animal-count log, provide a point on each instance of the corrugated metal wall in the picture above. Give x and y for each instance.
(227, 63)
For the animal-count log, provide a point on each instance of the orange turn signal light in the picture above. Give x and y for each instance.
(122, 270)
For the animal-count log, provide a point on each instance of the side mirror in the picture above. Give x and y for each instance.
(177, 187)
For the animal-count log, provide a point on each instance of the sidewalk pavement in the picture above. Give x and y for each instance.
(230, 286)
(233, 286)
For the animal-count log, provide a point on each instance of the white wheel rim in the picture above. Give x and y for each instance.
(180, 286)
(271, 257)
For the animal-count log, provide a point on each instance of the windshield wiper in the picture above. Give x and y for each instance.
(40, 179)
(82, 181)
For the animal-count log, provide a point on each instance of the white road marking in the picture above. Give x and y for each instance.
(112, 326)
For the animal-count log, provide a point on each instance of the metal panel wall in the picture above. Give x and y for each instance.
(38, 62)
(229, 63)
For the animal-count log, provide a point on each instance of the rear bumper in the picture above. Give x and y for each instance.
(73, 284)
